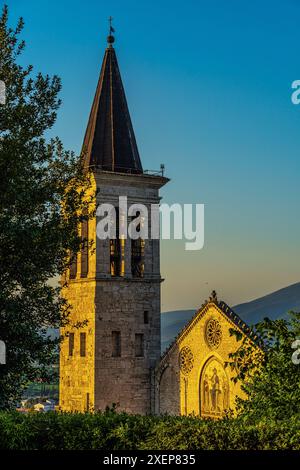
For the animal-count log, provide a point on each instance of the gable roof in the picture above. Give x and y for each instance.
(226, 310)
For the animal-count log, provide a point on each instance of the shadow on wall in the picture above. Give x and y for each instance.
(179, 393)
(168, 379)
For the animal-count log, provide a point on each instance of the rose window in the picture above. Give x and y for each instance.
(213, 333)
(186, 360)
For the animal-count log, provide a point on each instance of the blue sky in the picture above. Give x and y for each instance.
(209, 89)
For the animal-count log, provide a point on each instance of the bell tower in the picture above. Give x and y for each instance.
(114, 288)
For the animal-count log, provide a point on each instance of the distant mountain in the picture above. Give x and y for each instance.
(171, 324)
(53, 333)
(274, 305)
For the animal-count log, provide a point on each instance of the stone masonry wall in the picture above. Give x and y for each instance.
(114, 304)
(174, 383)
(126, 380)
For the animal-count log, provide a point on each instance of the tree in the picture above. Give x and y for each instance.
(270, 377)
(38, 178)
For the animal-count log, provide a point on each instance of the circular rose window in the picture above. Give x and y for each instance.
(213, 333)
(186, 360)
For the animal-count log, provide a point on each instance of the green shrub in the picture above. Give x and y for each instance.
(120, 431)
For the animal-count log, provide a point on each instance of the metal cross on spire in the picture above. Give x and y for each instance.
(110, 38)
(111, 29)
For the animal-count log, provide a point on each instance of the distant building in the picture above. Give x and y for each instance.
(48, 405)
(2, 352)
(116, 286)
(39, 407)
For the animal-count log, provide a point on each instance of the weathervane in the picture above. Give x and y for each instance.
(110, 38)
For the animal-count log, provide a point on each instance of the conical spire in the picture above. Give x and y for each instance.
(109, 142)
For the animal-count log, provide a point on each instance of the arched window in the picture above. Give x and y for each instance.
(137, 257)
(214, 389)
(73, 266)
(84, 248)
(117, 251)
(137, 253)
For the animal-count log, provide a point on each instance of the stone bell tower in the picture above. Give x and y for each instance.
(114, 287)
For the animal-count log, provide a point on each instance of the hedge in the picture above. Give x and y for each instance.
(113, 431)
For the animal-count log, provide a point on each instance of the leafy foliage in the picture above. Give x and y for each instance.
(36, 235)
(270, 379)
(112, 431)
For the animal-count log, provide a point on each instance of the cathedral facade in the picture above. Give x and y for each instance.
(114, 289)
(192, 376)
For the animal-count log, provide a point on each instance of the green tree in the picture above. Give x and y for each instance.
(37, 176)
(270, 378)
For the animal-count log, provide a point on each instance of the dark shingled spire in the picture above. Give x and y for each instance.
(109, 142)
